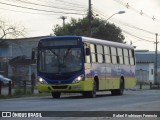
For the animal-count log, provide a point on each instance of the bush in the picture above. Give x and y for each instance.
(20, 91)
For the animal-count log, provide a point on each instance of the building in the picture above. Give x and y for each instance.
(145, 61)
(15, 57)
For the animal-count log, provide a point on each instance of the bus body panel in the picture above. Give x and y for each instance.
(82, 86)
(109, 75)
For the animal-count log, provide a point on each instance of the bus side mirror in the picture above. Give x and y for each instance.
(88, 52)
(33, 53)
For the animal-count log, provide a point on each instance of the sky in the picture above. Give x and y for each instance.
(139, 23)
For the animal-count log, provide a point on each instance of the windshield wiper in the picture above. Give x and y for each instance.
(68, 50)
(67, 53)
(54, 52)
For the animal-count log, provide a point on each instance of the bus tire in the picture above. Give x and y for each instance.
(92, 94)
(114, 92)
(85, 94)
(56, 94)
(120, 90)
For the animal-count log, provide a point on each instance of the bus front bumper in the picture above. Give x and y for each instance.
(86, 85)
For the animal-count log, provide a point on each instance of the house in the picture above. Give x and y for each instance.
(15, 57)
(145, 65)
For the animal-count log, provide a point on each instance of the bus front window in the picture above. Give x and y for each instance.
(63, 60)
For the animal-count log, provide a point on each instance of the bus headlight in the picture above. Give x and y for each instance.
(78, 79)
(42, 81)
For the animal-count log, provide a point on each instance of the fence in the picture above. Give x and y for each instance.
(22, 87)
(142, 76)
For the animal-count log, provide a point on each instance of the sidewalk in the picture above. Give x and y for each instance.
(145, 87)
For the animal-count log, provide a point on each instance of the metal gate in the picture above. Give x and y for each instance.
(142, 76)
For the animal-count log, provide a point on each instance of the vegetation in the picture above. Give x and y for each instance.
(10, 30)
(99, 29)
(20, 92)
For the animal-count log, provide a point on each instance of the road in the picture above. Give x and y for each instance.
(139, 100)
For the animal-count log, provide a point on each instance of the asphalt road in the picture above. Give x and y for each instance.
(141, 100)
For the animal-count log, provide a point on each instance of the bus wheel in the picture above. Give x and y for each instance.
(56, 94)
(92, 94)
(114, 92)
(120, 90)
(85, 94)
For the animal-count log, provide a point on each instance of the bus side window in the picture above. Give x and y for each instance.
(120, 55)
(133, 54)
(99, 54)
(114, 55)
(93, 53)
(87, 57)
(126, 57)
(107, 54)
(131, 57)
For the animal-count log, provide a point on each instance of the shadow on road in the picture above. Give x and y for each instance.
(79, 96)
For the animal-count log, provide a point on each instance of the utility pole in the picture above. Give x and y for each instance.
(90, 18)
(155, 64)
(63, 18)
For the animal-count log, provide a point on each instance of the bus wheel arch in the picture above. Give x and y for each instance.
(121, 87)
(92, 93)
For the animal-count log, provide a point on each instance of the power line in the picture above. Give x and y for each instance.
(54, 7)
(137, 28)
(142, 39)
(71, 3)
(30, 12)
(63, 3)
(128, 25)
(128, 6)
(98, 12)
(131, 26)
(30, 8)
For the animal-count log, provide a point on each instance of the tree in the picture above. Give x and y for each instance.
(101, 29)
(10, 31)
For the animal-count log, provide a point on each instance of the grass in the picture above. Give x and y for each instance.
(20, 92)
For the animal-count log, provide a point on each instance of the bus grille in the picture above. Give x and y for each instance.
(60, 87)
(58, 77)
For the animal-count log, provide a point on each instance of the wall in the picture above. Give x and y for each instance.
(23, 47)
(143, 72)
(19, 47)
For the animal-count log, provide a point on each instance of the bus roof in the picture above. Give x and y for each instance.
(106, 42)
(94, 40)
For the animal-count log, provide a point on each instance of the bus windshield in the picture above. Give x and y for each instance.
(59, 60)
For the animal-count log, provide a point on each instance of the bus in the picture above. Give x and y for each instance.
(77, 64)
